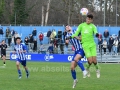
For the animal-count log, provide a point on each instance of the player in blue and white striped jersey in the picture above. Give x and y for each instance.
(79, 53)
(20, 51)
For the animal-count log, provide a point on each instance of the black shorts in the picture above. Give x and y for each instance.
(3, 54)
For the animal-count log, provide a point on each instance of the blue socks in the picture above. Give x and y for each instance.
(80, 64)
(73, 72)
(26, 71)
(19, 72)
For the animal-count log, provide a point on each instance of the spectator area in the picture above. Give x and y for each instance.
(26, 30)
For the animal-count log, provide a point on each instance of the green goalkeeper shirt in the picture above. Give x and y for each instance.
(87, 33)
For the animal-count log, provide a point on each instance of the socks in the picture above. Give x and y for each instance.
(26, 71)
(3, 62)
(80, 64)
(19, 72)
(88, 66)
(96, 65)
(73, 72)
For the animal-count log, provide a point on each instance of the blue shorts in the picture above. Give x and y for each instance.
(80, 52)
(23, 62)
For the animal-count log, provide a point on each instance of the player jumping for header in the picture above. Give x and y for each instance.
(88, 30)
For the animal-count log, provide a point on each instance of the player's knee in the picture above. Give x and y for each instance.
(72, 68)
(95, 62)
(17, 63)
(89, 62)
(76, 60)
(25, 67)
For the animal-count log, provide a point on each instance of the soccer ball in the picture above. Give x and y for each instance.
(84, 11)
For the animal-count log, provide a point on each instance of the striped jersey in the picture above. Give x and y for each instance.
(19, 48)
(75, 42)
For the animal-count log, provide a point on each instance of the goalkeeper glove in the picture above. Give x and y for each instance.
(97, 35)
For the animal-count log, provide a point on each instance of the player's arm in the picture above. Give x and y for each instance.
(95, 31)
(78, 37)
(14, 52)
(78, 31)
(66, 40)
(24, 49)
(6, 46)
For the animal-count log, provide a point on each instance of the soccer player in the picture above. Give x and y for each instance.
(3, 47)
(20, 50)
(88, 30)
(79, 53)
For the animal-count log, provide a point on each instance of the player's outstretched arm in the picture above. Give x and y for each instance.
(77, 31)
(95, 31)
(79, 38)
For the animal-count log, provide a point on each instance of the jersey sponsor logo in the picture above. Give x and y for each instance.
(20, 48)
(90, 26)
(48, 57)
(86, 31)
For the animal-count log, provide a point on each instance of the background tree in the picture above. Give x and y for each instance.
(19, 12)
(60, 11)
(2, 6)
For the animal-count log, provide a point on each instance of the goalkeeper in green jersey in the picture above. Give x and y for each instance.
(87, 31)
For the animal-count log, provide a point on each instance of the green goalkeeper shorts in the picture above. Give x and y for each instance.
(89, 49)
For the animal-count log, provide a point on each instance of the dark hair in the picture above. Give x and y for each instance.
(90, 16)
(18, 38)
(67, 25)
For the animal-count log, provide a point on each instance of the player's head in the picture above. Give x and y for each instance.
(3, 41)
(89, 18)
(68, 28)
(18, 40)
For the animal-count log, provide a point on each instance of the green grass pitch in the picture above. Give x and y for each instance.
(57, 76)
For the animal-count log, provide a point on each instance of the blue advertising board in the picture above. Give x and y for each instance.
(47, 57)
